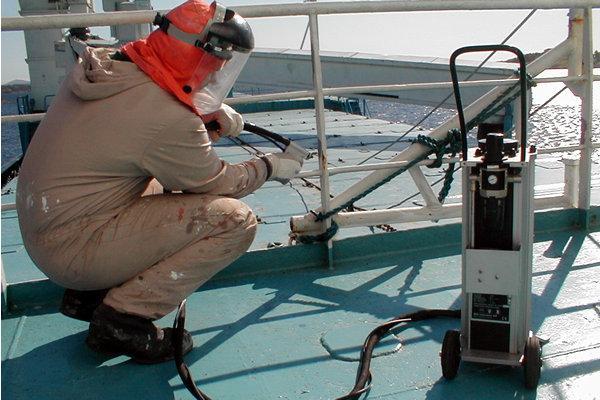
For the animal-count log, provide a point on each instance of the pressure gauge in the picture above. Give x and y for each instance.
(492, 179)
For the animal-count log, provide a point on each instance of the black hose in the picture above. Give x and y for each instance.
(12, 170)
(272, 137)
(257, 130)
(182, 368)
(363, 377)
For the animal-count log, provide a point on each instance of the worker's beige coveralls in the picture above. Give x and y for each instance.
(85, 224)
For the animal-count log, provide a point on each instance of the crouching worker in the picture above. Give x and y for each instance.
(121, 119)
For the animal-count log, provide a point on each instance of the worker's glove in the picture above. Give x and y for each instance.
(283, 166)
(230, 123)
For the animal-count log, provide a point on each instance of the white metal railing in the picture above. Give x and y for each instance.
(295, 9)
(349, 90)
(577, 48)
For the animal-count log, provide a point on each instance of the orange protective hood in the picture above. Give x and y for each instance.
(171, 63)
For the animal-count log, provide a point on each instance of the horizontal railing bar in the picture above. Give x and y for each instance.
(59, 21)
(348, 219)
(442, 85)
(393, 88)
(354, 219)
(370, 167)
(9, 206)
(286, 10)
(300, 94)
(565, 148)
(397, 164)
(343, 7)
(7, 119)
(297, 94)
(559, 149)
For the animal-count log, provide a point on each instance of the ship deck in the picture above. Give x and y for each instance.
(278, 324)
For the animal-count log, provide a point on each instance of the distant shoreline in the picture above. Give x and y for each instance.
(21, 87)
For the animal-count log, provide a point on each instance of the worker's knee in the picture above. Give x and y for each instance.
(244, 218)
(234, 215)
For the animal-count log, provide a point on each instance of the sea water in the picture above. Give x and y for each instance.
(11, 144)
(557, 124)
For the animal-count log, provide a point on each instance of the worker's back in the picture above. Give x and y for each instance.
(87, 157)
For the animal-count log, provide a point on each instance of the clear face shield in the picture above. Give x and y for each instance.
(226, 44)
(216, 85)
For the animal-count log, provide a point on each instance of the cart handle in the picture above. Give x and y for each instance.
(522, 79)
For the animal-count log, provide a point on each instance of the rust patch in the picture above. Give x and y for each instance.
(180, 213)
(584, 128)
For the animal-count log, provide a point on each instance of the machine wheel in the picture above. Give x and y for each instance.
(450, 354)
(532, 361)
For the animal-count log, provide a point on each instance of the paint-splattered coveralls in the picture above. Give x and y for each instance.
(85, 224)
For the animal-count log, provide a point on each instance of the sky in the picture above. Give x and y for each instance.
(414, 33)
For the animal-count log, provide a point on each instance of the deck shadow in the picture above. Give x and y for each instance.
(66, 369)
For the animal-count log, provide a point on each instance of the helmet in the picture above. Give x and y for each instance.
(196, 54)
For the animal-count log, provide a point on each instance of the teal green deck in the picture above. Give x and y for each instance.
(278, 325)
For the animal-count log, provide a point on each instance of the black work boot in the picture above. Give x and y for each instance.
(114, 333)
(80, 304)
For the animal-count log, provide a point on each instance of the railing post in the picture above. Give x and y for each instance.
(571, 190)
(4, 300)
(585, 161)
(320, 120)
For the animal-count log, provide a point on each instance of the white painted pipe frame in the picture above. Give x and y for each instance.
(368, 167)
(315, 51)
(571, 190)
(356, 219)
(312, 9)
(428, 213)
(397, 164)
(587, 109)
(9, 206)
(308, 223)
(418, 177)
(348, 90)
(286, 10)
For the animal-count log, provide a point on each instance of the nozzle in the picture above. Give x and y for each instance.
(297, 151)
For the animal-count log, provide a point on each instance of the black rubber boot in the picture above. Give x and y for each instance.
(81, 304)
(114, 333)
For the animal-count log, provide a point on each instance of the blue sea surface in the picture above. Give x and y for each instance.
(11, 144)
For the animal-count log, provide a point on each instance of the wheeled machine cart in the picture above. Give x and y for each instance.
(497, 238)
